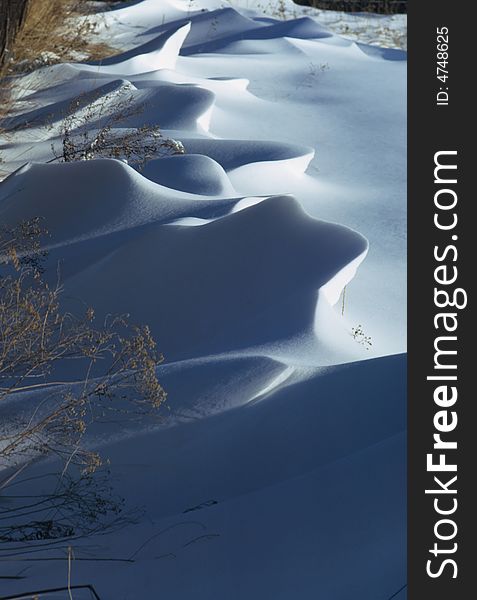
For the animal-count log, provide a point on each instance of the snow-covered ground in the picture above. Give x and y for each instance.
(388, 31)
(286, 430)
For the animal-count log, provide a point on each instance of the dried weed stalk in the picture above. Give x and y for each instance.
(114, 371)
(92, 129)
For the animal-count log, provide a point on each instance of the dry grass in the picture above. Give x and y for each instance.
(50, 34)
(53, 31)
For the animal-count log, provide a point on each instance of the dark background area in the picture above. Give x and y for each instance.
(376, 6)
(433, 128)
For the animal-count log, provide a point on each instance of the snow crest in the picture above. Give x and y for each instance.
(280, 471)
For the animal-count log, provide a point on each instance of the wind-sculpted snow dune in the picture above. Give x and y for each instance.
(208, 276)
(253, 256)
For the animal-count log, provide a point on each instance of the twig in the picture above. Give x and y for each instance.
(70, 554)
(208, 536)
(64, 558)
(343, 303)
(390, 597)
(143, 545)
(29, 595)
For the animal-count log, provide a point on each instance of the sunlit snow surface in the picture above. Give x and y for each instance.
(284, 432)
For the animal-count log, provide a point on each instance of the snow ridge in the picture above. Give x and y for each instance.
(280, 470)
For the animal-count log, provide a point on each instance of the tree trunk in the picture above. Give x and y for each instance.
(12, 14)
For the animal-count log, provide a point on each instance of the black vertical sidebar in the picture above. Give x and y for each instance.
(441, 133)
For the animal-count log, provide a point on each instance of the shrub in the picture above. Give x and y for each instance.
(114, 372)
(359, 335)
(82, 140)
